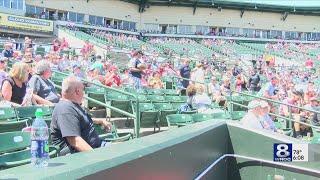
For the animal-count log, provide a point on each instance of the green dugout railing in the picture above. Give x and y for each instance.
(135, 116)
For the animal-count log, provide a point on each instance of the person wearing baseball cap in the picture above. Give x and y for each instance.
(136, 68)
(76, 68)
(253, 117)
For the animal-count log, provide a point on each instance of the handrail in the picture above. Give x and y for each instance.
(105, 105)
(302, 170)
(110, 107)
(136, 117)
(278, 102)
(97, 84)
(282, 117)
(268, 100)
(281, 103)
(177, 77)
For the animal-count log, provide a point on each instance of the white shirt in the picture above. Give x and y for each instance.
(201, 101)
(252, 121)
(198, 75)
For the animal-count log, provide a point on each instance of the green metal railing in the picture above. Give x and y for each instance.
(135, 116)
(199, 82)
(290, 119)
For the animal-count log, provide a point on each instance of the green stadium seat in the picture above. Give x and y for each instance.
(57, 78)
(179, 120)
(221, 115)
(237, 115)
(1, 47)
(28, 113)
(177, 105)
(156, 98)
(97, 94)
(136, 91)
(143, 98)
(8, 114)
(41, 51)
(189, 112)
(164, 109)
(154, 91)
(316, 136)
(149, 116)
(119, 101)
(9, 121)
(198, 117)
(174, 99)
(214, 105)
(15, 151)
(183, 98)
(121, 137)
(171, 92)
(112, 136)
(280, 123)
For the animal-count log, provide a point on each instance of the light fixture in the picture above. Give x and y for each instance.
(255, 6)
(294, 9)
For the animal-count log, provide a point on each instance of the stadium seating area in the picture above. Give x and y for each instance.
(155, 108)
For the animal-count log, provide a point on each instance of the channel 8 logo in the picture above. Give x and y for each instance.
(282, 152)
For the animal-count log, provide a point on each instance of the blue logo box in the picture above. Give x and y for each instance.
(282, 152)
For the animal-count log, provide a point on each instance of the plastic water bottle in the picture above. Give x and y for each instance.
(39, 141)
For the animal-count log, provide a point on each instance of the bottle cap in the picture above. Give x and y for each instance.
(39, 112)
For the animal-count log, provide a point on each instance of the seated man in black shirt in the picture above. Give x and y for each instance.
(71, 127)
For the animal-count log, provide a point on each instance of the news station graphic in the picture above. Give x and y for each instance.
(287, 152)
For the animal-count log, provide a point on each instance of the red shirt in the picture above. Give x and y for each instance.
(115, 80)
(309, 63)
(56, 47)
(64, 45)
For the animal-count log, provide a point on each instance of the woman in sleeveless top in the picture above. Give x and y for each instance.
(14, 87)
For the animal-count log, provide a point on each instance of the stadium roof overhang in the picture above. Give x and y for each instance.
(305, 7)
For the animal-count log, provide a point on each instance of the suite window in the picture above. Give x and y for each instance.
(185, 29)
(39, 10)
(73, 16)
(80, 17)
(7, 3)
(20, 4)
(126, 25)
(30, 9)
(151, 27)
(99, 20)
(96, 20)
(202, 29)
(14, 4)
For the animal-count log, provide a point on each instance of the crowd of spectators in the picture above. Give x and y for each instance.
(28, 81)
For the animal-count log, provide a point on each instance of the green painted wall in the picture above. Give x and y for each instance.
(180, 153)
(260, 145)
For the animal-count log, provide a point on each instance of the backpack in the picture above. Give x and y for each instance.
(184, 108)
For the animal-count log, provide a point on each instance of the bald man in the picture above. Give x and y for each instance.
(72, 127)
